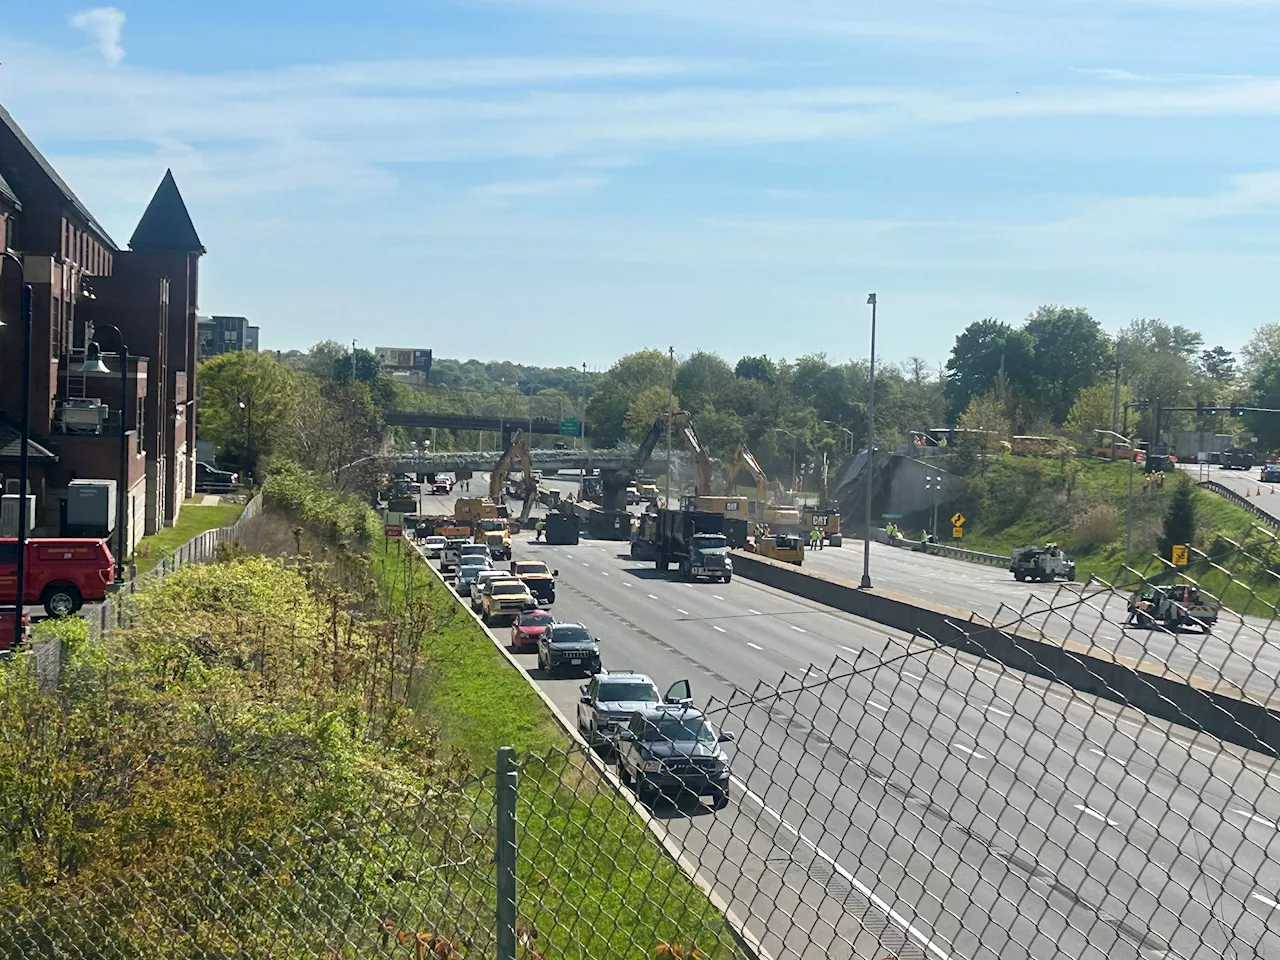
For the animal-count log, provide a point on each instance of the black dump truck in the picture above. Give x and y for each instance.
(561, 527)
(698, 542)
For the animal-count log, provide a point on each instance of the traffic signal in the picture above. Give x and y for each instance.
(1237, 410)
(1212, 410)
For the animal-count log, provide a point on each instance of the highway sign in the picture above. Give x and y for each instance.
(957, 520)
(957, 532)
(891, 516)
(1179, 552)
(392, 530)
(570, 427)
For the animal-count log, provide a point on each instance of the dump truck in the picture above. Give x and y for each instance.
(825, 521)
(561, 527)
(1235, 458)
(644, 541)
(467, 510)
(494, 533)
(1042, 564)
(698, 543)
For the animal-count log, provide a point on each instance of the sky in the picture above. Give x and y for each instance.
(565, 181)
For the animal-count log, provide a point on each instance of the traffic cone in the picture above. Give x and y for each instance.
(1246, 491)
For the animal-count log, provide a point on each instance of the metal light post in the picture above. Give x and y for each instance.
(1121, 440)
(871, 446)
(671, 392)
(23, 442)
(246, 404)
(934, 484)
(832, 423)
(93, 364)
(582, 430)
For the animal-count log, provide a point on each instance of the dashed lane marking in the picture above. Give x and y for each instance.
(973, 753)
(877, 706)
(719, 629)
(754, 646)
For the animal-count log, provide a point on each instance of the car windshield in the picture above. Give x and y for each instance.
(468, 572)
(536, 620)
(632, 690)
(530, 567)
(570, 635)
(493, 525)
(677, 729)
(507, 589)
(474, 548)
(710, 542)
(435, 541)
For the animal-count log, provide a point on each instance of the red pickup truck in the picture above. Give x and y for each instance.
(61, 573)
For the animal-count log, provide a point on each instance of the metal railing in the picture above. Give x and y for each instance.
(1244, 502)
(947, 550)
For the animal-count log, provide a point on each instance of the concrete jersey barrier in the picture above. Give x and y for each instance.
(1217, 709)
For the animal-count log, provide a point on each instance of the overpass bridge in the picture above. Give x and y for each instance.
(461, 421)
(614, 458)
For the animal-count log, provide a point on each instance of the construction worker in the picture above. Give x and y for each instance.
(815, 538)
(538, 528)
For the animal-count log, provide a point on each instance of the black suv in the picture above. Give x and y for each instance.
(568, 647)
(670, 747)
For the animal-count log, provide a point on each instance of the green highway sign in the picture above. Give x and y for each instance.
(891, 516)
(570, 427)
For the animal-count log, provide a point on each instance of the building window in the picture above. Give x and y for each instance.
(11, 232)
(141, 419)
(55, 330)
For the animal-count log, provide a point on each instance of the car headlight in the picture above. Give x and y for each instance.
(728, 561)
(651, 766)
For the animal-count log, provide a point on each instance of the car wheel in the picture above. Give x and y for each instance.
(728, 578)
(61, 601)
(719, 799)
(624, 775)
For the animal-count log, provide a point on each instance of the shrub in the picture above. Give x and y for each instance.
(341, 517)
(1096, 526)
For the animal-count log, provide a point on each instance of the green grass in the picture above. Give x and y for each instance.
(193, 520)
(1025, 500)
(596, 882)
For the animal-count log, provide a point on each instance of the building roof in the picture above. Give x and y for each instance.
(11, 445)
(6, 191)
(166, 225)
(6, 119)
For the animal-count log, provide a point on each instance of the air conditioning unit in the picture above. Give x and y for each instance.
(14, 485)
(9, 514)
(82, 416)
(91, 508)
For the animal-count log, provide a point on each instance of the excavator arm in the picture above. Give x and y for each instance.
(745, 458)
(531, 485)
(700, 455)
(500, 470)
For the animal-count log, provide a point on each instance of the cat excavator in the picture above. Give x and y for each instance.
(680, 424)
(498, 478)
(778, 519)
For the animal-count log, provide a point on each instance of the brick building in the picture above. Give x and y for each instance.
(80, 277)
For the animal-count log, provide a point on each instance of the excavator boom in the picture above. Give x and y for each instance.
(519, 448)
(744, 458)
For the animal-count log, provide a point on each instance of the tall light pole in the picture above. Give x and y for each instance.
(832, 423)
(582, 430)
(934, 483)
(93, 364)
(871, 446)
(23, 441)
(245, 403)
(671, 393)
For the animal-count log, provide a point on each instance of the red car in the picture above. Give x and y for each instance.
(61, 573)
(527, 628)
(6, 628)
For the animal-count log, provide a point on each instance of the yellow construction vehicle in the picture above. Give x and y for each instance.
(519, 448)
(826, 522)
(680, 423)
(778, 519)
(467, 510)
(787, 548)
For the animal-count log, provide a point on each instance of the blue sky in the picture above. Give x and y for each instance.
(563, 181)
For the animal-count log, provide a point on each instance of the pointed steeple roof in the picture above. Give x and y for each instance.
(166, 226)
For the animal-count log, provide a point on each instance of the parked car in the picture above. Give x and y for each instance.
(61, 572)
(434, 546)
(568, 647)
(608, 702)
(527, 628)
(209, 479)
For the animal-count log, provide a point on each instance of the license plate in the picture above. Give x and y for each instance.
(575, 662)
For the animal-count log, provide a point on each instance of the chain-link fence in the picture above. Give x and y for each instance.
(1118, 799)
(201, 548)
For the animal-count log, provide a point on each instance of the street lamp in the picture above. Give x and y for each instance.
(1119, 439)
(871, 446)
(23, 442)
(93, 364)
(832, 423)
(793, 453)
(246, 404)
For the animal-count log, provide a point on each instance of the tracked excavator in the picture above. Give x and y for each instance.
(680, 424)
(779, 519)
(497, 479)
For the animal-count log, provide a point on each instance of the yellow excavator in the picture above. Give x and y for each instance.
(779, 520)
(519, 448)
(683, 425)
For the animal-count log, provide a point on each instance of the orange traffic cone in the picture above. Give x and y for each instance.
(1246, 491)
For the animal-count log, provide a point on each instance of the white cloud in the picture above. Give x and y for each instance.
(104, 24)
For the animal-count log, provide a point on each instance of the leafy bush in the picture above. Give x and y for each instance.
(341, 517)
(1095, 527)
(72, 631)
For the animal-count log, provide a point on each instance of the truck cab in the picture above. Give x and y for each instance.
(1042, 564)
(496, 534)
(540, 580)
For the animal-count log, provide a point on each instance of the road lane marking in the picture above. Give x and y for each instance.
(1267, 900)
(754, 646)
(604, 573)
(998, 711)
(1096, 815)
(626, 584)
(685, 612)
(877, 706)
(913, 676)
(756, 612)
(1255, 817)
(585, 564)
(720, 629)
(1123, 763)
(797, 629)
(717, 596)
(652, 597)
(849, 878)
(973, 753)
(848, 649)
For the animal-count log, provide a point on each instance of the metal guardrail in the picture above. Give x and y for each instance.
(1240, 501)
(945, 550)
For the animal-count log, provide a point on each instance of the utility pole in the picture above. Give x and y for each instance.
(934, 484)
(871, 446)
(1115, 405)
(582, 431)
(671, 394)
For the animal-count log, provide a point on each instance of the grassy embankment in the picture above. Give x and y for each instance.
(1081, 504)
(193, 520)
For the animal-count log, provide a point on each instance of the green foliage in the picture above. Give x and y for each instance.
(1180, 520)
(341, 518)
(1092, 411)
(1069, 351)
(982, 351)
(646, 407)
(625, 380)
(73, 632)
(246, 401)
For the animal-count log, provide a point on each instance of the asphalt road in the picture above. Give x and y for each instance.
(969, 812)
(1242, 651)
(1241, 481)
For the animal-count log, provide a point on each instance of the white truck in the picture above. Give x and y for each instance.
(1174, 606)
(1042, 564)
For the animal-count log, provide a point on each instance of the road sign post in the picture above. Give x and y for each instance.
(957, 525)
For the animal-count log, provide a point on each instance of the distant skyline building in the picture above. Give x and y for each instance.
(220, 334)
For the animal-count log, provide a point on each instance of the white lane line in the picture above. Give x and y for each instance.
(756, 612)
(685, 612)
(912, 676)
(719, 629)
(717, 596)
(1250, 816)
(604, 573)
(754, 646)
(848, 649)
(797, 629)
(849, 878)
(877, 706)
(973, 753)
(585, 564)
(997, 711)
(1267, 900)
(627, 585)
(1096, 815)
(1123, 763)
(652, 597)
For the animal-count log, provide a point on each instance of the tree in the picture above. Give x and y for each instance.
(1219, 365)
(1179, 519)
(1263, 348)
(246, 401)
(990, 427)
(1092, 410)
(981, 351)
(620, 385)
(333, 425)
(1265, 387)
(757, 368)
(1069, 351)
(650, 404)
(704, 380)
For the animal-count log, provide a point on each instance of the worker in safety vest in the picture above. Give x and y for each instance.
(538, 528)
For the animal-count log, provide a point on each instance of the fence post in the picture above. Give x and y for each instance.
(507, 782)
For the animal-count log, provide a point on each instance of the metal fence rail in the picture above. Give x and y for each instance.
(1244, 502)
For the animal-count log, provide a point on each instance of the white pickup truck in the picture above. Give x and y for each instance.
(451, 555)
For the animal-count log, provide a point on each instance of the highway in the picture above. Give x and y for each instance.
(1241, 481)
(987, 814)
